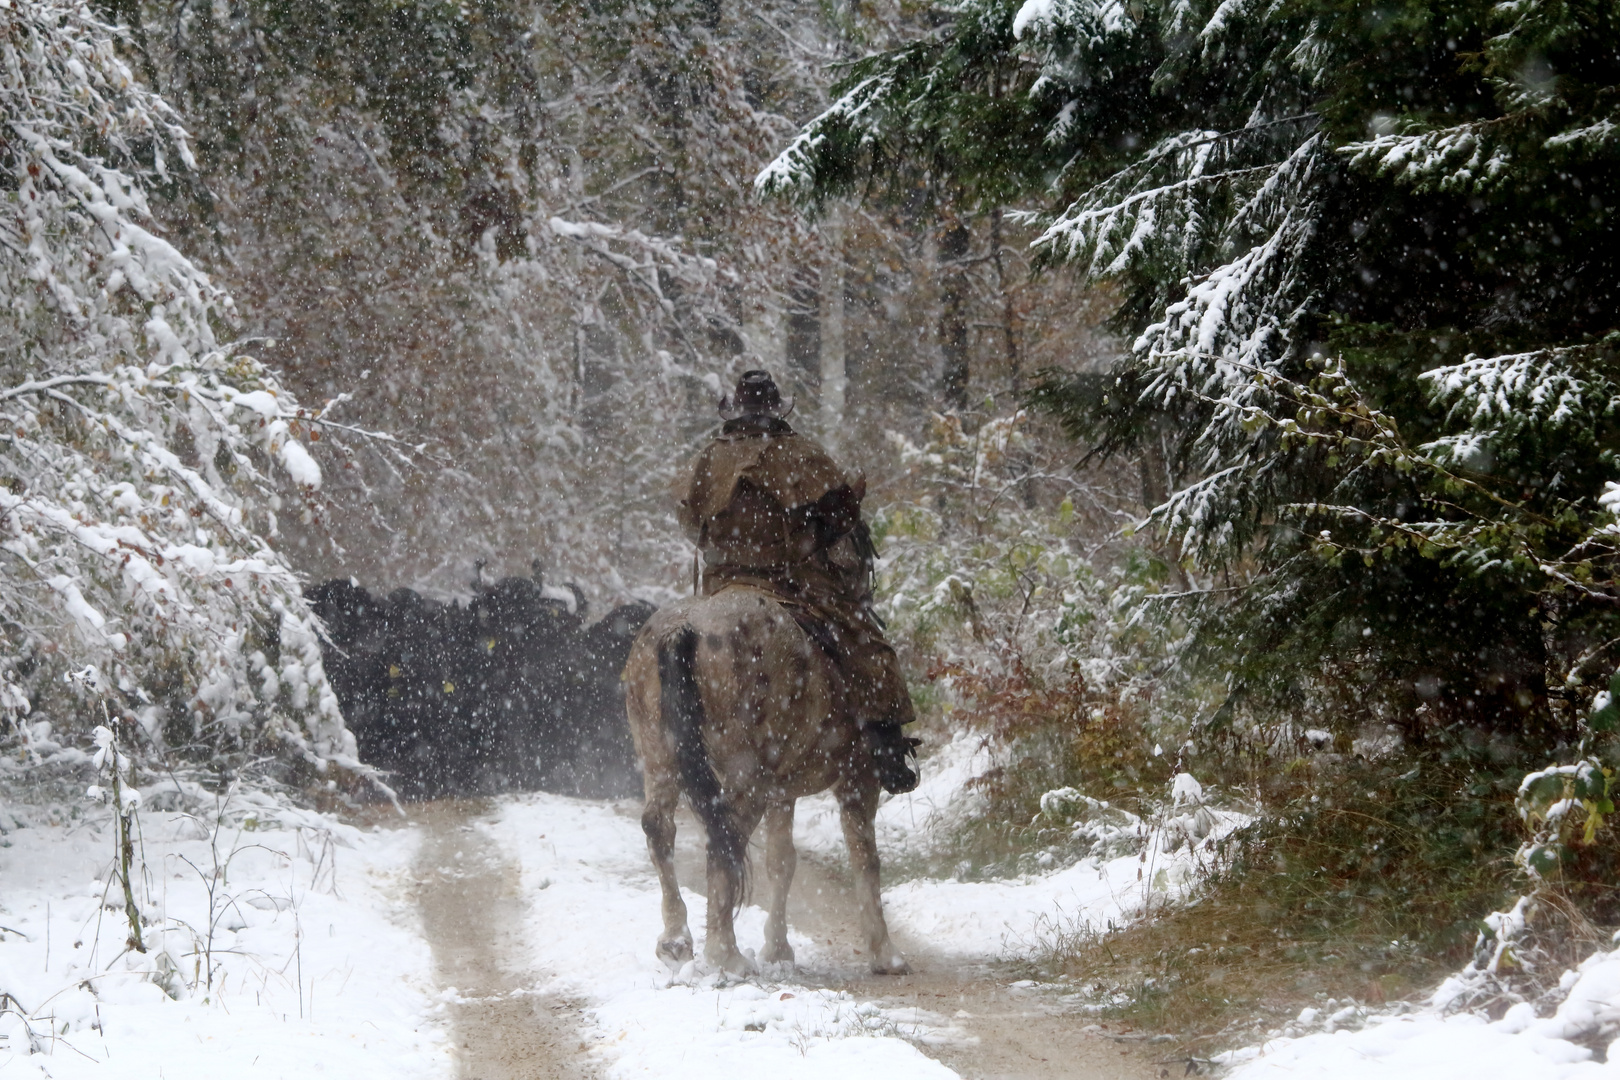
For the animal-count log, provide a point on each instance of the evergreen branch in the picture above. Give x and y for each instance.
(1072, 226)
(1386, 438)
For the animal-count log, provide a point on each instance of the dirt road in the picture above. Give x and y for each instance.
(467, 892)
(471, 910)
(1020, 1035)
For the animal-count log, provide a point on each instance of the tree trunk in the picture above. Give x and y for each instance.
(833, 380)
(1009, 315)
(953, 301)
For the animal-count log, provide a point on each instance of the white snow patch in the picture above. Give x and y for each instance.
(318, 967)
(300, 466)
(910, 823)
(1438, 1043)
(1424, 1047)
(1033, 12)
(997, 919)
(260, 401)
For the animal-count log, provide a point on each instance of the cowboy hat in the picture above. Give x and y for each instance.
(756, 395)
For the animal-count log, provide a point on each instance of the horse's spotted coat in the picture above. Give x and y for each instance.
(773, 731)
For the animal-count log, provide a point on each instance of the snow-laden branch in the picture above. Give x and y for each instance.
(140, 459)
(794, 171)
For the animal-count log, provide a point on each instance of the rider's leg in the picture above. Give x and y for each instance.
(889, 746)
(881, 701)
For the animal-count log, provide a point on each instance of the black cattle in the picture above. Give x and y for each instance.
(605, 758)
(393, 664)
(514, 691)
(524, 644)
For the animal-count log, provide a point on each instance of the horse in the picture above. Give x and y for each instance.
(733, 703)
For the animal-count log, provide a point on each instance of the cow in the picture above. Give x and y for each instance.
(513, 691)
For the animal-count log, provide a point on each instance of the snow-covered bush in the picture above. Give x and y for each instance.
(1026, 615)
(996, 552)
(141, 447)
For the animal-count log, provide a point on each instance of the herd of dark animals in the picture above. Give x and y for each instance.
(514, 691)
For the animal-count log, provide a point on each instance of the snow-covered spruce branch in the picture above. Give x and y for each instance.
(1545, 388)
(1361, 428)
(1461, 159)
(1085, 227)
(1156, 199)
(794, 172)
(1331, 414)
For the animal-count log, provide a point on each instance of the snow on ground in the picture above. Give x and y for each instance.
(907, 824)
(1429, 1044)
(593, 925)
(595, 918)
(1001, 919)
(317, 966)
(998, 919)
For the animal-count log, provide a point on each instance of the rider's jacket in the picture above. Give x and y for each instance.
(770, 509)
(761, 496)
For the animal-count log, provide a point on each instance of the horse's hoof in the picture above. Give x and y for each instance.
(777, 954)
(894, 964)
(733, 963)
(675, 952)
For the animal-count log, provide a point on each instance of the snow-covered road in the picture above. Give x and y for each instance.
(593, 919)
(513, 938)
(501, 939)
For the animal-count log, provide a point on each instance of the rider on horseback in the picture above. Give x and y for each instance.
(769, 509)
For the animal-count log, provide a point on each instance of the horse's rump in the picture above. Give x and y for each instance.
(732, 699)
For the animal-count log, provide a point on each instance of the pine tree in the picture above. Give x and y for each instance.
(1367, 263)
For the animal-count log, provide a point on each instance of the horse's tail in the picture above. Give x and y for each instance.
(683, 717)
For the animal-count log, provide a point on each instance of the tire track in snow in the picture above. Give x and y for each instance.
(472, 911)
(1016, 1035)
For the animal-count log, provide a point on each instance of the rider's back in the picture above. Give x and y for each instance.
(763, 496)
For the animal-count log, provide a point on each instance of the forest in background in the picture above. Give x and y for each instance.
(1236, 383)
(525, 237)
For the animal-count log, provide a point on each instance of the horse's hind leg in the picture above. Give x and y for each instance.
(857, 804)
(658, 822)
(780, 862)
(720, 940)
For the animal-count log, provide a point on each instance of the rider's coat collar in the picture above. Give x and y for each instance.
(755, 424)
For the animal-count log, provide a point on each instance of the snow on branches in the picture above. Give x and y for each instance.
(1459, 159)
(1498, 398)
(795, 172)
(141, 451)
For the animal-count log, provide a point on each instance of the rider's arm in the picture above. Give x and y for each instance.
(687, 495)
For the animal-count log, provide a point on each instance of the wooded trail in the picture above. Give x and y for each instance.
(472, 912)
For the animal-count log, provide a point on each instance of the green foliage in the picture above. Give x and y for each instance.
(1369, 263)
(1566, 810)
(1363, 883)
(957, 105)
